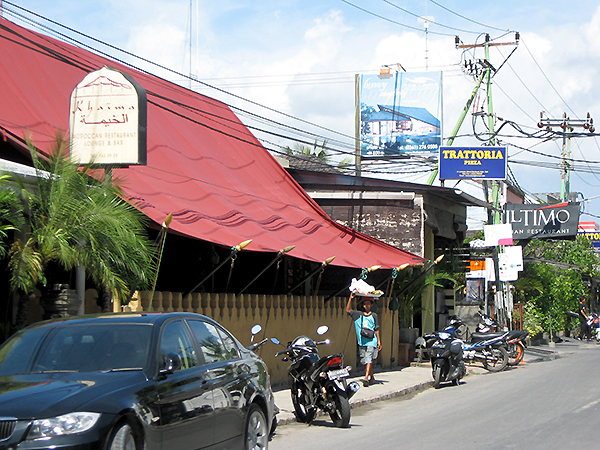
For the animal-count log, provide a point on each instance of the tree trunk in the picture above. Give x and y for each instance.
(23, 309)
(106, 299)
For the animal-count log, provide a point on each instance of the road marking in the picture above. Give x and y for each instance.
(589, 405)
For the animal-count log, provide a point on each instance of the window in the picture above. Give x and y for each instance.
(230, 345)
(175, 340)
(99, 347)
(216, 345)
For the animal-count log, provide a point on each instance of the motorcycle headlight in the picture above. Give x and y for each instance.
(67, 424)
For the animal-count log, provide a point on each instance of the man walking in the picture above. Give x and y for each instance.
(586, 331)
(367, 333)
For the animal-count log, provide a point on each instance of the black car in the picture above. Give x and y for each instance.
(148, 381)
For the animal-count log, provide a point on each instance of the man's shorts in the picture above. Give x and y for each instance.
(367, 354)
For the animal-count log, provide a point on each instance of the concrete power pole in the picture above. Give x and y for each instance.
(567, 126)
(489, 71)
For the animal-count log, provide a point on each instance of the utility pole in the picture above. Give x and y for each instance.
(481, 70)
(489, 71)
(568, 126)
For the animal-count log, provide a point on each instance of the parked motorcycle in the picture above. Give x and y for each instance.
(318, 383)
(446, 355)
(594, 324)
(515, 342)
(488, 348)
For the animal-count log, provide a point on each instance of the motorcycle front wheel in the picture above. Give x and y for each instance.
(341, 416)
(516, 352)
(437, 376)
(304, 413)
(497, 361)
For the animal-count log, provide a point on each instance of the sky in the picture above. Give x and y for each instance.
(288, 67)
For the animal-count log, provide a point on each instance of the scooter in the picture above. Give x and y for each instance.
(594, 324)
(515, 342)
(318, 383)
(446, 356)
(489, 348)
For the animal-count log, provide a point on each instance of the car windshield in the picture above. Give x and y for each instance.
(77, 348)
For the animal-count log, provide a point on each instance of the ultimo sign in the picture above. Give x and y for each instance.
(543, 220)
(473, 162)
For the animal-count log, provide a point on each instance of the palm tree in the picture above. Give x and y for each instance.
(72, 219)
(317, 151)
(9, 218)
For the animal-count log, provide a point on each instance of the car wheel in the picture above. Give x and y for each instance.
(123, 439)
(257, 431)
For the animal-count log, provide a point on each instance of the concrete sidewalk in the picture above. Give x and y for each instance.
(398, 382)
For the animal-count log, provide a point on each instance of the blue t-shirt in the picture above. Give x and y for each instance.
(363, 321)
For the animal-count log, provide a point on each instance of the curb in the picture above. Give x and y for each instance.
(390, 395)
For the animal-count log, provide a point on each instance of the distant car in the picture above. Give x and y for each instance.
(170, 381)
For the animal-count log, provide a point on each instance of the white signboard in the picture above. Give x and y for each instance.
(498, 234)
(108, 120)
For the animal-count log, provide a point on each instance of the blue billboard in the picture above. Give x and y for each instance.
(400, 113)
(458, 163)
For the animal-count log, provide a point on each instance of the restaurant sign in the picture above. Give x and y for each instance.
(542, 220)
(457, 163)
(108, 119)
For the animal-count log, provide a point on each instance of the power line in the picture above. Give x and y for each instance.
(547, 79)
(393, 21)
(466, 18)
(424, 18)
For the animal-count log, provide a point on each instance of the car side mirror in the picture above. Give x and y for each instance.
(171, 363)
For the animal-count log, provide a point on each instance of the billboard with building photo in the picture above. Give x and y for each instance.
(400, 113)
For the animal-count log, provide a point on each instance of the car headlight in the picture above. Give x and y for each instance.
(71, 423)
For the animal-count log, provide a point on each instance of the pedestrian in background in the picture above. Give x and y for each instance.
(367, 334)
(586, 332)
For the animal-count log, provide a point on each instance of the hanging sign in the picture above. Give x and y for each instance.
(543, 220)
(500, 234)
(457, 163)
(108, 120)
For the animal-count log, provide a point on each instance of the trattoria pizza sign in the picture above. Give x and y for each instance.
(543, 221)
(472, 163)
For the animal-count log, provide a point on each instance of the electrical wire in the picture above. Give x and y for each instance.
(424, 18)
(393, 21)
(547, 79)
(301, 141)
(466, 18)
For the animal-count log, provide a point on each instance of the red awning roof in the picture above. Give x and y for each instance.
(204, 165)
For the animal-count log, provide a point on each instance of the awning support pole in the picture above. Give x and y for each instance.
(162, 239)
(312, 274)
(279, 255)
(363, 276)
(422, 274)
(234, 252)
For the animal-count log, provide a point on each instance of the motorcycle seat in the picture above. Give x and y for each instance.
(475, 337)
(516, 333)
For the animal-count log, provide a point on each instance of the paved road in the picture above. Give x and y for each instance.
(545, 405)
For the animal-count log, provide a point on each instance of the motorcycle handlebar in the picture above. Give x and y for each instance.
(256, 345)
(282, 352)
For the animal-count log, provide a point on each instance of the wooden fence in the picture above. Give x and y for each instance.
(284, 317)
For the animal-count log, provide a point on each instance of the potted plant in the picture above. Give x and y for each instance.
(410, 290)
